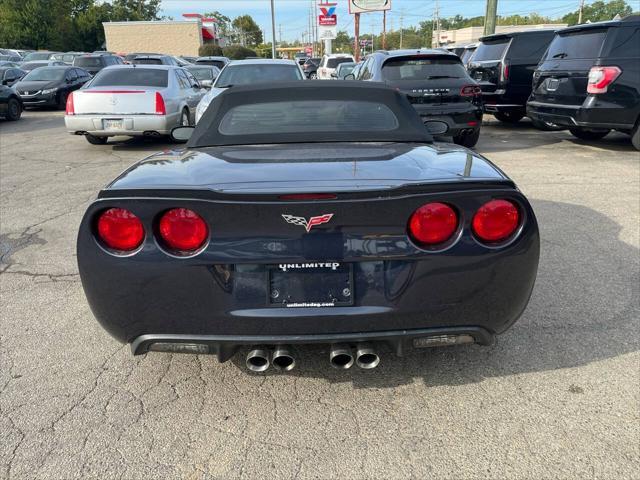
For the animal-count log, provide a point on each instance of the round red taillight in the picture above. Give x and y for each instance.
(120, 229)
(495, 221)
(183, 230)
(433, 223)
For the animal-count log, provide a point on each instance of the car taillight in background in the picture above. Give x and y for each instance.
(160, 106)
(495, 221)
(601, 77)
(433, 224)
(183, 230)
(119, 229)
(470, 91)
(504, 72)
(70, 109)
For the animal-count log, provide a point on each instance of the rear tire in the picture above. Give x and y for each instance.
(468, 140)
(512, 116)
(14, 110)
(635, 135)
(589, 134)
(313, 76)
(93, 140)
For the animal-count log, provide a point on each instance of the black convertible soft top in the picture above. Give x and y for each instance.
(309, 111)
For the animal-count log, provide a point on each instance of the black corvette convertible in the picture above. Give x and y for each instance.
(314, 212)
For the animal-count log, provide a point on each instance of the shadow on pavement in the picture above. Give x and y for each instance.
(584, 309)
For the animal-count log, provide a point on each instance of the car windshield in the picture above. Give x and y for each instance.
(334, 62)
(45, 74)
(250, 74)
(37, 56)
(421, 68)
(491, 50)
(346, 69)
(307, 116)
(202, 73)
(139, 77)
(147, 61)
(580, 44)
(88, 62)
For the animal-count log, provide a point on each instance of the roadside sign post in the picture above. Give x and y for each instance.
(356, 7)
(327, 24)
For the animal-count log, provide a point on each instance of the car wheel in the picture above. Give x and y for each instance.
(635, 135)
(62, 100)
(93, 140)
(467, 139)
(313, 76)
(546, 126)
(513, 116)
(589, 134)
(14, 110)
(185, 120)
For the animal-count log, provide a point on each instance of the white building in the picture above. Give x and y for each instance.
(462, 36)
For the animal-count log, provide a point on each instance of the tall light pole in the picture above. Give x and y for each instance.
(273, 31)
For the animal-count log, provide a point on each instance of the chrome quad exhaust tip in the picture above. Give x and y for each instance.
(283, 359)
(366, 356)
(341, 356)
(258, 359)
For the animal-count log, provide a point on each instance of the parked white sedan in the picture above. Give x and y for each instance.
(133, 100)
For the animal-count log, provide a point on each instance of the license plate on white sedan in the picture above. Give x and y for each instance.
(113, 124)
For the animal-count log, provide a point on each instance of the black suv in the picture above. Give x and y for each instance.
(436, 84)
(503, 66)
(93, 63)
(589, 80)
(310, 67)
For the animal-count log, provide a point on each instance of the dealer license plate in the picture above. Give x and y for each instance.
(113, 124)
(310, 284)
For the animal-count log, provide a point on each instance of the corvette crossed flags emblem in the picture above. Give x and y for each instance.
(308, 224)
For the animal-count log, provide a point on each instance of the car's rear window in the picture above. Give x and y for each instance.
(580, 44)
(466, 55)
(334, 62)
(216, 63)
(302, 116)
(422, 68)
(490, 50)
(203, 73)
(139, 77)
(257, 73)
(87, 62)
(147, 61)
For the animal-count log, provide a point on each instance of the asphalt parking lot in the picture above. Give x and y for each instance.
(557, 397)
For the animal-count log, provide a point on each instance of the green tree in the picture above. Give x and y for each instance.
(246, 31)
(238, 52)
(210, 50)
(599, 11)
(224, 22)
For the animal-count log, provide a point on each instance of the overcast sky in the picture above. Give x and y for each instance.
(292, 15)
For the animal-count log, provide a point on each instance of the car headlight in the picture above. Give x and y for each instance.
(49, 90)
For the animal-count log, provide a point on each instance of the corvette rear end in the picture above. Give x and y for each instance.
(371, 247)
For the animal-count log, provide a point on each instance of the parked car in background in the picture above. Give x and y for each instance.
(50, 86)
(329, 63)
(301, 58)
(310, 67)
(250, 72)
(205, 74)
(343, 70)
(435, 82)
(503, 66)
(67, 57)
(181, 61)
(10, 104)
(10, 51)
(10, 58)
(219, 62)
(589, 80)
(189, 59)
(133, 100)
(456, 49)
(10, 75)
(128, 58)
(28, 66)
(93, 63)
(40, 55)
(468, 52)
(6, 64)
(155, 60)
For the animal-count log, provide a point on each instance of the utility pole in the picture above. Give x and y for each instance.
(401, 18)
(273, 31)
(384, 29)
(356, 41)
(436, 16)
(372, 39)
(490, 17)
(580, 12)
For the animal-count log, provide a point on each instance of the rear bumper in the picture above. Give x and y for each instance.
(572, 116)
(457, 119)
(494, 102)
(133, 125)
(398, 341)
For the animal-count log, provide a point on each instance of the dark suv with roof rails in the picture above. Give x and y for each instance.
(436, 84)
(503, 66)
(589, 80)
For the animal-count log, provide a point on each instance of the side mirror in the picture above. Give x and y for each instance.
(182, 134)
(196, 86)
(349, 76)
(7, 81)
(334, 75)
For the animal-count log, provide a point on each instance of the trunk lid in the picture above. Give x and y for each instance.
(486, 66)
(115, 100)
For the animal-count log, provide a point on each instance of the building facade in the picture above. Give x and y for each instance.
(463, 36)
(169, 37)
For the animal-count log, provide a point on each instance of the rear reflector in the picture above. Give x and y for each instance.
(120, 229)
(70, 109)
(470, 91)
(504, 72)
(601, 77)
(183, 230)
(308, 196)
(433, 223)
(160, 107)
(495, 221)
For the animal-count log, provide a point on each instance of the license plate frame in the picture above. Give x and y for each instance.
(113, 124)
(299, 285)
